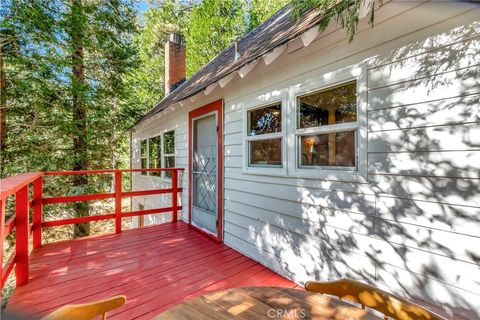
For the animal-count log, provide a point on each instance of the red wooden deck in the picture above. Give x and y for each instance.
(154, 267)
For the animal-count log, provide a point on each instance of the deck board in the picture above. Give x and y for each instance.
(156, 267)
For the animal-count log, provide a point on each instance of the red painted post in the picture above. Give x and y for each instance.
(118, 201)
(174, 195)
(37, 212)
(2, 236)
(21, 236)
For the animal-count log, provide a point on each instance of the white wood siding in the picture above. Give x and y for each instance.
(175, 121)
(167, 120)
(414, 225)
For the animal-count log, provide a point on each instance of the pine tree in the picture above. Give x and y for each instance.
(261, 10)
(76, 32)
(213, 26)
(3, 105)
(66, 85)
(77, 74)
(346, 12)
(147, 80)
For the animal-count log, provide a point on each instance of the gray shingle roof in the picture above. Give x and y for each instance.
(275, 31)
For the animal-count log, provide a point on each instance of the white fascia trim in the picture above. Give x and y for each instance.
(310, 35)
(225, 80)
(274, 54)
(210, 88)
(243, 71)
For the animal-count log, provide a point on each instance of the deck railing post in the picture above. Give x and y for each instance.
(118, 201)
(2, 236)
(37, 212)
(174, 195)
(21, 236)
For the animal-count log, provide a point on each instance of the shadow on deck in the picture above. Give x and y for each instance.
(154, 267)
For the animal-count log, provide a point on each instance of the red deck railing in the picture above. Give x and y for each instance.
(19, 187)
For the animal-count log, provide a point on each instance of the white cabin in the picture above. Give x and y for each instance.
(323, 158)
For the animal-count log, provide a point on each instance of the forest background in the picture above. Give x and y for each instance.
(75, 75)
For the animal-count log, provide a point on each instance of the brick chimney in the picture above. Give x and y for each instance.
(175, 62)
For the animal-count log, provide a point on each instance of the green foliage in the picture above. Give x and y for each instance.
(123, 62)
(346, 12)
(261, 10)
(213, 26)
(124, 70)
(209, 27)
(39, 39)
(35, 95)
(159, 21)
(40, 84)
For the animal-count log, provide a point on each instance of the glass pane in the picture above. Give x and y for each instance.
(265, 120)
(144, 165)
(329, 149)
(331, 106)
(169, 163)
(169, 142)
(143, 155)
(266, 152)
(154, 147)
(143, 149)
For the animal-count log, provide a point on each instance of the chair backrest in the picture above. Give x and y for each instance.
(388, 304)
(87, 311)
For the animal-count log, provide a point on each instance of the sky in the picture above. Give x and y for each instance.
(142, 6)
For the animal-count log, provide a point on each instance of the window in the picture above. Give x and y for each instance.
(314, 128)
(169, 152)
(264, 136)
(330, 149)
(143, 155)
(327, 127)
(158, 152)
(154, 154)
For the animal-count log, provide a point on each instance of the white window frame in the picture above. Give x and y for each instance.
(148, 153)
(147, 157)
(162, 176)
(258, 103)
(332, 79)
(163, 154)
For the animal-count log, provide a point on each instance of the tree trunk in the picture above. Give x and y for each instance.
(3, 111)
(113, 144)
(79, 113)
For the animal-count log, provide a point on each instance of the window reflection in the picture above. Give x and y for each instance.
(154, 154)
(169, 142)
(266, 152)
(330, 149)
(331, 106)
(143, 155)
(265, 120)
(169, 152)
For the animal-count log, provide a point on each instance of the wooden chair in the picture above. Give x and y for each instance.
(368, 296)
(87, 311)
